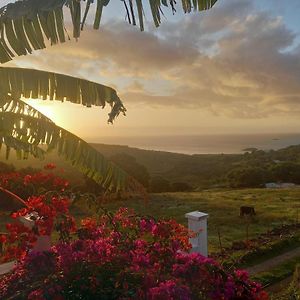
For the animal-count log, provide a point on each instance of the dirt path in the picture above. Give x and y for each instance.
(273, 262)
(279, 286)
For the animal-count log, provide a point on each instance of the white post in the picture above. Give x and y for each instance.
(28, 220)
(197, 222)
(43, 243)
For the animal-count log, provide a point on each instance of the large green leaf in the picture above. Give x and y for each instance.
(25, 24)
(24, 129)
(35, 84)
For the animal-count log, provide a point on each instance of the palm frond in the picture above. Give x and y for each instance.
(25, 24)
(23, 128)
(29, 83)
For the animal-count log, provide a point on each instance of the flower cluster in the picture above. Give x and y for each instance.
(48, 212)
(6, 179)
(46, 180)
(51, 214)
(33, 184)
(16, 243)
(116, 256)
(125, 256)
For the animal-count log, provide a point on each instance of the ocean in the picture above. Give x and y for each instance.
(206, 144)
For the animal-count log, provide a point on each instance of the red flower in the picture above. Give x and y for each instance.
(50, 166)
(2, 239)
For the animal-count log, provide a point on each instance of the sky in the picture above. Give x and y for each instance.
(232, 69)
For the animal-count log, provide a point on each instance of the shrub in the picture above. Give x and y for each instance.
(116, 256)
(247, 177)
(124, 256)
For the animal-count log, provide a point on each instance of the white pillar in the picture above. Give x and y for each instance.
(197, 222)
(28, 220)
(43, 242)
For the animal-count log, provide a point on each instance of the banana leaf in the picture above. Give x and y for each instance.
(29, 83)
(29, 132)
(25, 24)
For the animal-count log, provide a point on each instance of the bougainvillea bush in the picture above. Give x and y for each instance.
(114, 256)
(36, 183)
(50, 212)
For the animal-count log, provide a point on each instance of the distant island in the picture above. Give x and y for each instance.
(250, 149)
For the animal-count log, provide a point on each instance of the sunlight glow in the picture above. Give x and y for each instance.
(46, 108)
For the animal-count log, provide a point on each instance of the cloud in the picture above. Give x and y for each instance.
(233, 60)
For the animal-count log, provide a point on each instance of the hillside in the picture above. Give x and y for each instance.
(251, 169)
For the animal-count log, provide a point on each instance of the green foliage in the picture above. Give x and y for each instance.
(247, 177)
(278, 273)
(293, 292)
(268, 251)
(286, 172)
(219, 170)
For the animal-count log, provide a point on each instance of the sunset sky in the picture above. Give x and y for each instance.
(233, 69)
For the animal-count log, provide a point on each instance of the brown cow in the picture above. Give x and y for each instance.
(247, 211)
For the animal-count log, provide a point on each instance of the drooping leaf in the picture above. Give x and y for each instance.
(24, 23)
(25, 129)
(29, 83)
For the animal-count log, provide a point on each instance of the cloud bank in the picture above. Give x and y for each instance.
(232, 61)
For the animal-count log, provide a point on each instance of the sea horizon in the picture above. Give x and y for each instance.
(205, 144)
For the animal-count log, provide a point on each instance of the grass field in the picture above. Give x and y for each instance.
(273, 208)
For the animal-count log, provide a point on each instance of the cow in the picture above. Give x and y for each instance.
(247, 211)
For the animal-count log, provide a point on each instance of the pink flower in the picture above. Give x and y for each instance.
(169, 290)
(36, 295)
(118, 256)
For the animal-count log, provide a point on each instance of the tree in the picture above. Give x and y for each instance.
(24, 25)
(247, 177)
(286, 172)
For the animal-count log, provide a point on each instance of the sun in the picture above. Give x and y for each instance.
(45, 107)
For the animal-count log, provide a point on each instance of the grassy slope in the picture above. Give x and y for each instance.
(273, 207)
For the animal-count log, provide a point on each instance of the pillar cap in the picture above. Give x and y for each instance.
(196, 215)
(7, 267)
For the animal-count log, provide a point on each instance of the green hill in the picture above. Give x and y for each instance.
(251, 169)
